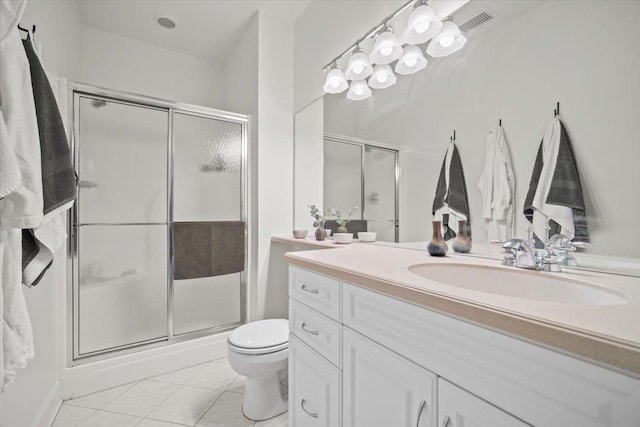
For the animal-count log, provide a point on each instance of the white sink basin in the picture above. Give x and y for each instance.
(518, 283)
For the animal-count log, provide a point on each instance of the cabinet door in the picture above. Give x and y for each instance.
(314, 388)
(459, 408)
(383, 389)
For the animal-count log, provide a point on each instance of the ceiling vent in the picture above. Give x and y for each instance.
(478, 20)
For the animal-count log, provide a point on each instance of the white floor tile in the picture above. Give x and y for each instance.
(279, 421)
(155, 423)
(186, 405)
(109, 419)
(226, 412)
(100, 399)
(70, 416)
(237, 386)
(215, 375)
(178, 377)
(142, 398)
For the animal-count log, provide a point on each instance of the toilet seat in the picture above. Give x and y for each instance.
(260, 337)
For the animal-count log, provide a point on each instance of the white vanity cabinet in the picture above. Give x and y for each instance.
(315, 350)
(458, 408)
(381, 388)
(401, 364)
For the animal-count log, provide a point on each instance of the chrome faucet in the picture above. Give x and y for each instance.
(519, 254)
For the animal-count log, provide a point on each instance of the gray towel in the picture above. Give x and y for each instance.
(354, 226)
(565, 190)
(205, 249)
(58, 175)
(456, 198)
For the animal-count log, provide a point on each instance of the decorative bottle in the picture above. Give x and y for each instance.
(437, 246)
(462, 243)
(321, 233)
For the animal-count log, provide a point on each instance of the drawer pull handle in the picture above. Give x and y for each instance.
(423, 404)
(311, 414)
(311, 291)
(447, 421)
(309, 331)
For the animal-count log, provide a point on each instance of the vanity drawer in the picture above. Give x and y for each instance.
(319, 292)
(321, 333)
(315, 388)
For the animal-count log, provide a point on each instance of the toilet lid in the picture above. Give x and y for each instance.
(261, 334)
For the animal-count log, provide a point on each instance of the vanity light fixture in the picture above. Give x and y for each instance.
(448, 41)
(335, 81)
(423, 24)
(387, 47)
(359, 67)
(411, 61)
(382, 77)
(359, 90)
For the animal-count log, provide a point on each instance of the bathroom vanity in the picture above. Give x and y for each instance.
(381, 337)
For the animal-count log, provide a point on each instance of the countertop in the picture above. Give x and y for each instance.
(608, 335)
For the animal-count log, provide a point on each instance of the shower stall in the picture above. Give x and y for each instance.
(145, 165)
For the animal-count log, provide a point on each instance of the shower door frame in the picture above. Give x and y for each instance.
(363, 143)
(75, 91)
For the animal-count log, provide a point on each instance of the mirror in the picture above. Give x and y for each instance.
(514, 69)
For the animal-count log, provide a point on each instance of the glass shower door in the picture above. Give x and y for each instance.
(207, 188)
(121, 221)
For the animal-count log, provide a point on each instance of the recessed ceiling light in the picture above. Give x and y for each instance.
(165, 22)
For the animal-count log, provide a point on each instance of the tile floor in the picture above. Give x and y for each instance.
(207, 395)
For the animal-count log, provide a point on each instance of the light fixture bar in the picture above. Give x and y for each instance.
(373, 31)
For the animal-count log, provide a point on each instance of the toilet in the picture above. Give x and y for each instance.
(260, 351)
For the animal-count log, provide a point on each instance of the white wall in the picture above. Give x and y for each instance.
(275, 149)
(32, 399)
(125, 64)
(308, 163)
(517, 72)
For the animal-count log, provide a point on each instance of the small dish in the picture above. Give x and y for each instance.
(343, 238)
(367, 236)
(300, 234)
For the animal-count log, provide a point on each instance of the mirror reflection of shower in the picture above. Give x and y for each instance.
(359, 173)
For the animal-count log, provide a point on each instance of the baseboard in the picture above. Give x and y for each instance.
(49, 409)
(92, 377)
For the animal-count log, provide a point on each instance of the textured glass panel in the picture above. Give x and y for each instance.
(123, 285)
(380, 192)
(123, 163)
(342, 176)
(206, 302)
(207, 169)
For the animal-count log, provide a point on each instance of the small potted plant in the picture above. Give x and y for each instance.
(342, 222)
(319, 222)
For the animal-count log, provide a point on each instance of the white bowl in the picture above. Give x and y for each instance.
(367, 236)
(300, 234)
(343, 237)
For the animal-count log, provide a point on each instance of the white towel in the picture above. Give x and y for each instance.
(23, 207)
(21, 202)
(542, 211)
(497, 185)
(17, 337)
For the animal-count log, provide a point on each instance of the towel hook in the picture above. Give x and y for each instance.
(500, 122)
(33, 31)
(454, 136)
(556, 112)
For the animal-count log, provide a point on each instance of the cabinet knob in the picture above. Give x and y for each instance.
(311, 414)
(309, 331)
(446, 421)
(311, 291)
(423, 404)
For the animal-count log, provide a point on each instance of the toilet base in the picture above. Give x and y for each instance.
(265, 397)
